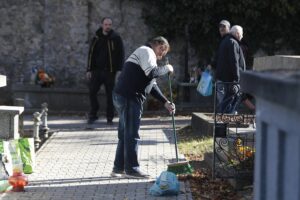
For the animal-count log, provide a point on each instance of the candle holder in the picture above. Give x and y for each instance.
(18, 180)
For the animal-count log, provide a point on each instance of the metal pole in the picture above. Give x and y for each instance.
(36, 129)
(186, 56)
(45, 127)
(186, 92)
(214, 137)
(173, 119)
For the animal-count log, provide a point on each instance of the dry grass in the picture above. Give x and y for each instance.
(193, 146)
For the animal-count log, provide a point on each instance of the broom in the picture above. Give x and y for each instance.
(182, 167)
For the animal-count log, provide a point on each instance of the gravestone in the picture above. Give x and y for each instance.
(60, 100)
(2, 81)
(275, 63)
(276, 88)
(9, 118)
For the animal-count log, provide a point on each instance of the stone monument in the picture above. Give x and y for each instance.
(275, 83)
(9, 118)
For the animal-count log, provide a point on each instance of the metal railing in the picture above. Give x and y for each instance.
(40, 125)
(233, 149)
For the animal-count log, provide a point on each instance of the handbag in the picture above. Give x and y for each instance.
(205, 84)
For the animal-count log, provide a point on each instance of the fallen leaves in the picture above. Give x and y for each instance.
(202, 186)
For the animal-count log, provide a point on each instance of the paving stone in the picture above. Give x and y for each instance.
(76, 164)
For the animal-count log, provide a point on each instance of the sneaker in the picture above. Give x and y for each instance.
(117, 173)
(136, 173)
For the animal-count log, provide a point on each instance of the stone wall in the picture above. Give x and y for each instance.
(21, 37)
(55, 35)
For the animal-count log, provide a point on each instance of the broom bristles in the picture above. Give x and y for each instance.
(179, 163)
(180, 168)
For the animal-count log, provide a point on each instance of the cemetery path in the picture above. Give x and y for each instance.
(75, 163)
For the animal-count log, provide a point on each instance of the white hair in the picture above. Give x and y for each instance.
(236, 29)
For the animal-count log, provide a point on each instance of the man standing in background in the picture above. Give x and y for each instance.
(230, 62)
(224, 28)
(105, 61)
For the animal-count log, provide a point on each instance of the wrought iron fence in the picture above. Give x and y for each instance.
(234, 144)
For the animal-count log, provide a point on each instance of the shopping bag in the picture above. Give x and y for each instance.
(27, 152)
(205, 85)
(3, 172)
(166, 184)
(11, 151)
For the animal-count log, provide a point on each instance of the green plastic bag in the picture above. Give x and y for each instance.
(27, 152)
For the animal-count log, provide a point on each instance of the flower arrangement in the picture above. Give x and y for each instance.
(44, 79)
(241, 156)
(244, 152)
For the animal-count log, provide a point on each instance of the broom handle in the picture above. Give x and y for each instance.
(173, 118)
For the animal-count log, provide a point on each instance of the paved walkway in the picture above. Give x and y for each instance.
(75, 163)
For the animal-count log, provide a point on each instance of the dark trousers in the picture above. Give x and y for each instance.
(98, 79)
(228, 97)
(130, 113)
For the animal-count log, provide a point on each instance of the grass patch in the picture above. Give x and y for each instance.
(193, 146)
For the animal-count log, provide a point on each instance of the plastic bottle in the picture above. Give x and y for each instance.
(33, 75)
(4, 185)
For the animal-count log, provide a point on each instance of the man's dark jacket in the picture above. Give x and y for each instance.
(106, 52)
(230, 60)
(214, 62)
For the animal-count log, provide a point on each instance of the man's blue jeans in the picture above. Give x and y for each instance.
(130, 113)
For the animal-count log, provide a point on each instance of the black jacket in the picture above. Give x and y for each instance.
(214, 62)
(106, 52)
(230, 60)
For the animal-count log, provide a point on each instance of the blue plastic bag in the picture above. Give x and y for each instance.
(205, 85)
(166, 184)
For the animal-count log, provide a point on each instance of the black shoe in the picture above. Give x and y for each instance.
(109, 122)
(117, 173)
(91, 120)
(136, 173)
